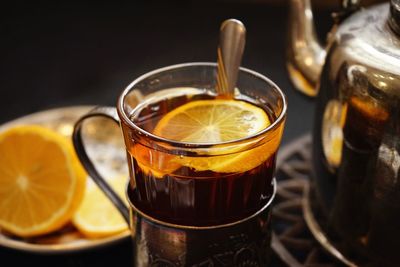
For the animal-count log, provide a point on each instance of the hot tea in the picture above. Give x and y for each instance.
(225, 180)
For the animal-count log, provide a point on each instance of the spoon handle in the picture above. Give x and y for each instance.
(230, 51)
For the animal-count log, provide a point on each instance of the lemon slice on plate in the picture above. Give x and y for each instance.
(41, 181)
(215, 121)
(97, 217)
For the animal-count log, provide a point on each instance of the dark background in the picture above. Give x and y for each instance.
(66, 53)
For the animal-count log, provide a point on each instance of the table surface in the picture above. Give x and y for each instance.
(83, 54)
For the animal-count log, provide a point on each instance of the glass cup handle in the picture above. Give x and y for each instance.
(107, 112)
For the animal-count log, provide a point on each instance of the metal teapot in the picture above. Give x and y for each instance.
(356, 137)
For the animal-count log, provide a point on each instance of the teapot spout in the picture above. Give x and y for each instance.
(305, 55)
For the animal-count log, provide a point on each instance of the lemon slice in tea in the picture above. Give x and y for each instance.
(212, 121)
(215, 121)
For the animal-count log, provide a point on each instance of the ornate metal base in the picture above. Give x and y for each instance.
(298, 241)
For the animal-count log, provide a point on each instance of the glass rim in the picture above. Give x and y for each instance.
(186, 145)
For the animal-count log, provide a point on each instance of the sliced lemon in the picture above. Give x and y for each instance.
(215, 121)
(97, 216)
(41, 180)
(212, 121)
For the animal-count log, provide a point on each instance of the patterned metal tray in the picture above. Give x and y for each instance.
(292, 241)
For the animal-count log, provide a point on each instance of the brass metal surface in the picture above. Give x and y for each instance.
(356, 144)
(305, 55)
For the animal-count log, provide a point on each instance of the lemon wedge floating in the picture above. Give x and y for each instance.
(97, 217)
(41, 180)
(212, 121)
(215, 121)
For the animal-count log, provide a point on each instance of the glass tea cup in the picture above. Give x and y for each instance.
(189, 202)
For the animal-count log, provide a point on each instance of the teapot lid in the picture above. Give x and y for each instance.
(367, 38)
(394, 20)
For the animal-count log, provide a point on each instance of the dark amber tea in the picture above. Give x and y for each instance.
(223, 178)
